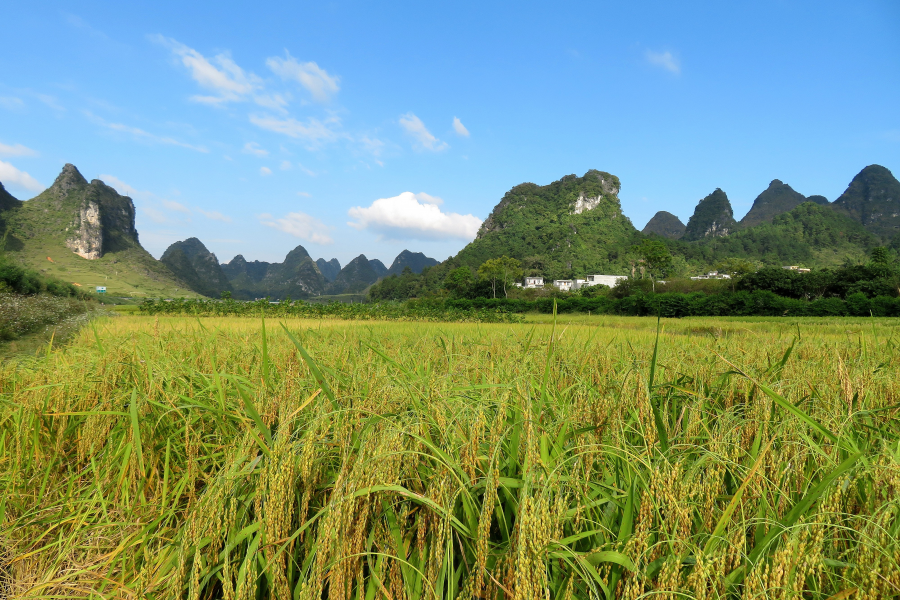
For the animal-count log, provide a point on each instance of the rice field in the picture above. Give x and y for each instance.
(592, 457)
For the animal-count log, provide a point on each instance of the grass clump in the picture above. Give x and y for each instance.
(171, 457)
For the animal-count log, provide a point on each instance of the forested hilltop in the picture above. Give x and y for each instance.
(575, 227)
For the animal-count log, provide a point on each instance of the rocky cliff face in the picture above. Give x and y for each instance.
(873, 199)
(199, 268)
(664, 224)
(88, 225)
(713, 217)
(95, 219)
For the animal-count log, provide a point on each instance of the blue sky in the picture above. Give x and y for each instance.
(362, 128)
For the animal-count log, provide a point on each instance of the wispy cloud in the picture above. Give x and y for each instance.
(265, 171)
(311, 76)
(413, 216)
(422, 138)
(459, 128)
(214, 215)
(219, 74)
(10, 175)
(17, 150)
(11, 102)
(314, 131)
(304, 194)
(140, 134)
(176, 206)
(153, 214)
(664, 60)
(254, 148)
(300, 225)
(309, 172)
(51, 102)
(286, 165)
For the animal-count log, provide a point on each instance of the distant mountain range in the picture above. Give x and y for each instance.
(297, 277)
(84, 233)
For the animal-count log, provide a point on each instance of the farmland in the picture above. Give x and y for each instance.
(573, 457)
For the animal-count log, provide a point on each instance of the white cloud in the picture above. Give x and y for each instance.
(214, 215)
(299, 225)
(315, 79)
(286, 165)
(11, 102)
(276, 102)
(220, 74)
(265, 171)
(313, 131)
(413, 216)
(424, 140)
(176, 206)
(459, 128)
(664, 60)
(254, 148)
(304, 194)
(141, 134)
(17, 150)
(9, 175)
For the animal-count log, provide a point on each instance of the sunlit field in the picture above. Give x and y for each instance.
(174, 457)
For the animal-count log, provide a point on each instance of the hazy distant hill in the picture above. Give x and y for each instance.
(713, 217)
(84, 233)
(873, 199)
(777, 199)
(196, 266)
(416, 261)
(357, 275)
(329, 268)
(298, 277)
(664, 224)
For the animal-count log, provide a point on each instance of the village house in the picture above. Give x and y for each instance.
(534, 282)
(712, 275)
(568, 285)
(797, 268)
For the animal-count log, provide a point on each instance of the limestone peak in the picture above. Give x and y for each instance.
(69, 178)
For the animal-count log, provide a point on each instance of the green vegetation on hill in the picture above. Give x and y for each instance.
(664, 224)
(574, 225)
(71, 216)
(873, 199)
(777, 199)
(810, 234)
(713, 217)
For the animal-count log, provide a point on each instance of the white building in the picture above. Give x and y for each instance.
(712, 275)
(568, 285)
(534, 282)
(610, 280)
